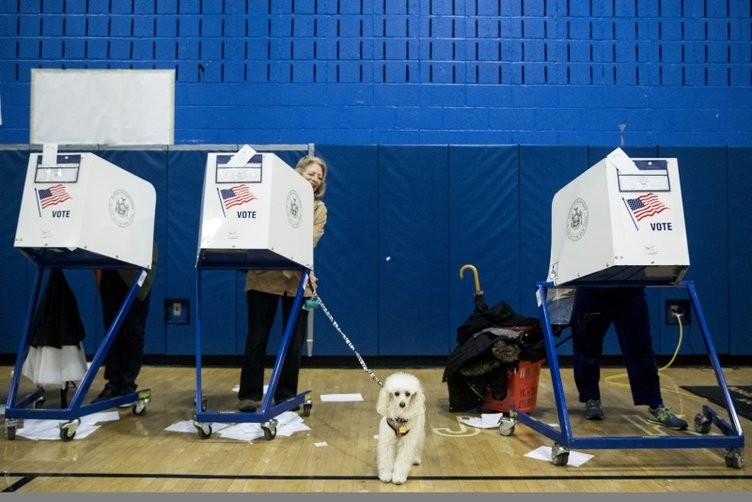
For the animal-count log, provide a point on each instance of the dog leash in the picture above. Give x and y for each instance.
(318, 302)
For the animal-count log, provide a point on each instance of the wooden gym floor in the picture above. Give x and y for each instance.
(338, 453)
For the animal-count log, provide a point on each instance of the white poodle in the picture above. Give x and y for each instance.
(402, 408)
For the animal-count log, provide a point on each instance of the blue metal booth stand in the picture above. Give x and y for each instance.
(256, 214)
(621, 222)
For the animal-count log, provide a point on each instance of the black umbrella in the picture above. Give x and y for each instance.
(478, 300)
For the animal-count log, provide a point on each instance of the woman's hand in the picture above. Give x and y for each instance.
(313, 280)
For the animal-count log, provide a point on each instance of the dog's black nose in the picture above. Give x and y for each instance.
(402, 405)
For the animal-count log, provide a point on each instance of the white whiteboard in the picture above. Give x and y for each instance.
(102, 107)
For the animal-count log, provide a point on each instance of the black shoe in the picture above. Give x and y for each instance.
(249, 405)
(109, 392)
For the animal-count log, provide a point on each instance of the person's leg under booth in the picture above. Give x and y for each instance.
(589, 327)
(287, 385)
(125, 356)
(262, 309)
(632, 326)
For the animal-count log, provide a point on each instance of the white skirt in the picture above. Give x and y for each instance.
(52, 366)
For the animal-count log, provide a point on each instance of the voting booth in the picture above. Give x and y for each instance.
(80, 211)
(621, 223)
(622, 220)
(255, 210)
(77, 208)
(256, 213)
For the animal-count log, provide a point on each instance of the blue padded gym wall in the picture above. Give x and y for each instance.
(402, 221)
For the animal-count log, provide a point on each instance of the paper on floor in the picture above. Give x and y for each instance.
(576, 458)
(341, 397)
(485, 421)
(287, 424)
(37, 429)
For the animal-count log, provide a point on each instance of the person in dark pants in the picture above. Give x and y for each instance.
(265, 291)
(125, 356)
(595, 309)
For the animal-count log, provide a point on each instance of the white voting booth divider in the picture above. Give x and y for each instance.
(621, 223)
(79, 208)
(80, 211)
(622, 220)
(255, 208)
(256, 213)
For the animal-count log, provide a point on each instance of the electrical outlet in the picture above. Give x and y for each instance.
(177, 311)
(681, 307)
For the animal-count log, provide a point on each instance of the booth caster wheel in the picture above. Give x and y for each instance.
(734, 458)
(204, 430)
(506, 425)
(702, 423)
(68, 429)
(270, 429)
(559, 455)
(10, 428)
(307, 409)
(139, 407)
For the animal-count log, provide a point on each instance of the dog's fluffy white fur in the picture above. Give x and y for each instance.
(401, 403)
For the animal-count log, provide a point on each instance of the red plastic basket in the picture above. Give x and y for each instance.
(522, 389)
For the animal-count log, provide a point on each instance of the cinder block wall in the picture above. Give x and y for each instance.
(546, 72)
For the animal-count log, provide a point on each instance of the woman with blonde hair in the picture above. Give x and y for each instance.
(265, 291)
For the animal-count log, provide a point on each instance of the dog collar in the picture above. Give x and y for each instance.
(398, 424)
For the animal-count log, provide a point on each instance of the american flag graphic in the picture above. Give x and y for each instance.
(646, 205)
(53, 195)
(235, 196)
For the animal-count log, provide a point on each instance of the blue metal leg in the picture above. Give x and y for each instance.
(281, 353)
(23, 344)
(713, 357)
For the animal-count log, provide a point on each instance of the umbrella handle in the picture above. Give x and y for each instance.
(475, 274)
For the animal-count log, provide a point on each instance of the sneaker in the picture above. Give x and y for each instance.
(663, 416)
(248, 405)
(593, 410)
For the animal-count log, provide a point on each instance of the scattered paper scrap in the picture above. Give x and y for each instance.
(576, 459)
(485, 421)
(187, 426)
(341, 398)
(48, 430)
(288, 423)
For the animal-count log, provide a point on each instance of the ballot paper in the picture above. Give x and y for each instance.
(242, 157)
